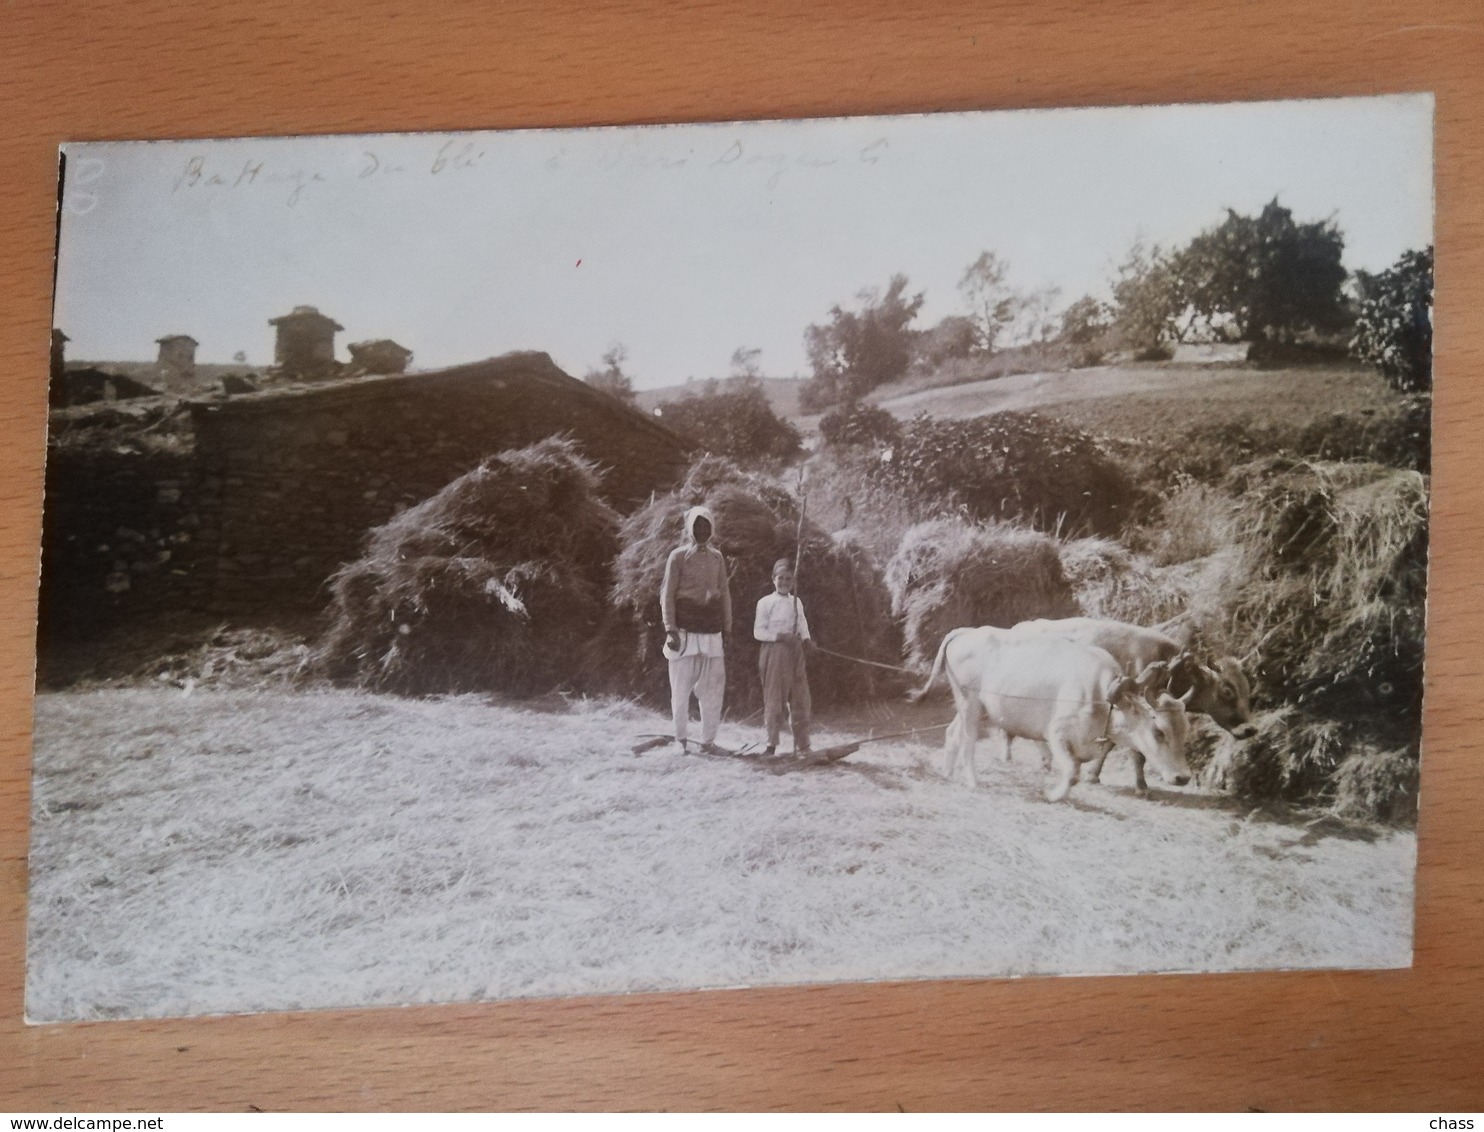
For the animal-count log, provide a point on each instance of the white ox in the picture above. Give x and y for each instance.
(1072, 698)
(1220, 690)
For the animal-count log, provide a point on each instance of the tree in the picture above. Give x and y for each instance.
(954, 337)
(1393, 328)
(1086, 330)
(1031, 316)
(611, 379)
(990, 300)
(734, 420)
(744, 361)
(856, 351)
(1264, 278)
(1146, 298)
(1085, 321)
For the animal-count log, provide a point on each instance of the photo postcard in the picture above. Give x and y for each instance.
(586, 561)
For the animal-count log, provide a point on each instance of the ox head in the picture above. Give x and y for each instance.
(1157, 729)
(1220, 691)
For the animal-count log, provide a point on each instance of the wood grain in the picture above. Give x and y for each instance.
(1408, 1039)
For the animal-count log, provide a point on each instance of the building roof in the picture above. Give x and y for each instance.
(88, 376)
(177, 338)
(531, 369)
(306, 316)
(379, 344)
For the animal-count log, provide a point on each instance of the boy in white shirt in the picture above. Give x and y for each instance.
(782, 628)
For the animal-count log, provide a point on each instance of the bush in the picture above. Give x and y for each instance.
(1393, 329)
(496, 582)
(948, 574)
(757, 522)
(1397, 435)
(847, 497)
(611, 379)
(954, 338)
(1400, 435)
(858, 424)
(736, 420)
(1013, 466)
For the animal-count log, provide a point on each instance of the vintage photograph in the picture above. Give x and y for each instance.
(589, 561)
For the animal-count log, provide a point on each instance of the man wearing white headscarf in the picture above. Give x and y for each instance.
(696, 604)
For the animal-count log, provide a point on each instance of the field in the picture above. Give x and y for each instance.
(782, 393)
(211, 836)
(212, 851)
(1146, 401)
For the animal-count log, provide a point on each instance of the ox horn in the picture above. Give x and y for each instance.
(1156, 676)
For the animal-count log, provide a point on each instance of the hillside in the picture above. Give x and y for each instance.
(782, 393)
(1148, 400)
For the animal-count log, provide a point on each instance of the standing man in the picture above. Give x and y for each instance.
(782, 628)
(696, 604)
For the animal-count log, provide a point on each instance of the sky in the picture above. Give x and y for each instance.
(685, 242)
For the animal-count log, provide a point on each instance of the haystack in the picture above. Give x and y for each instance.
(1110, 581)
(1323, 596)
(1330, 602)
(757, 522)
(948, 574)
(495, 583)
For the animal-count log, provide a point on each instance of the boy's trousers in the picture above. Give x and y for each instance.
(785, 689)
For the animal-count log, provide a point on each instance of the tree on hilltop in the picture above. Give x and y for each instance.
(735, 419)
(744, 361)
(991, 301)
(1267, 276)
(1393, 329)
(1084, 321)
(1146, 298)
(855, 351)
(611, 379)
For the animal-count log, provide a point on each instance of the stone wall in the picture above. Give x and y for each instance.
(283, 485)
(123, 533)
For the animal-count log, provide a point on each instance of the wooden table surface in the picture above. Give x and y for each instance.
(146, 68)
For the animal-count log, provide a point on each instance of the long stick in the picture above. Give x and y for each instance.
(799, 545)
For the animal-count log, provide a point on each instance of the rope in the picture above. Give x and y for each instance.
(859, 660)
(1003, 695)
(902, 734)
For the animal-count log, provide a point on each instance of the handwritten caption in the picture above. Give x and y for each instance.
(455, 156)
(201, 172)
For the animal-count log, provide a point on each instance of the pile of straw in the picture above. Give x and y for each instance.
(949, 574)
(1330, 597)
(1322, 596)
(495, 583)
(1112, 582)
(757, 522)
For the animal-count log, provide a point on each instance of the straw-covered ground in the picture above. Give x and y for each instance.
(221, 851)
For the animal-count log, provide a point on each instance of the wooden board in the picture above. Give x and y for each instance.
(1407, 1039)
